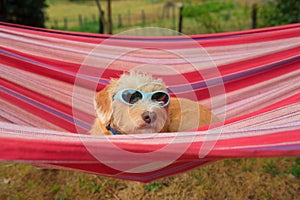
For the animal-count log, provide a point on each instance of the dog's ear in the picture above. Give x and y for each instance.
(103, 105)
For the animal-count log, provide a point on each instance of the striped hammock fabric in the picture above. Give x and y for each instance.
(249, 79)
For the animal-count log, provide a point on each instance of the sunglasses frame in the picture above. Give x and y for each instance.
(145, 95)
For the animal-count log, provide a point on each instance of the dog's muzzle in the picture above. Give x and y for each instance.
(149, 117)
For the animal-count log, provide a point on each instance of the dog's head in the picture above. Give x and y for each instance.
(134, 103)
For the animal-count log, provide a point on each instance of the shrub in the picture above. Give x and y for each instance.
(209, 14)
(196, 10)
(279, 12)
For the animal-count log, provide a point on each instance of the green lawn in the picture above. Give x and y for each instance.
(236, 179)
(130, 12)
(233, 16)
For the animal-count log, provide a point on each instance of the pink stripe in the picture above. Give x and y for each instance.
(269, 128)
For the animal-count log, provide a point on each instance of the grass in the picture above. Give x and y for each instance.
(271, 178)
(58, 10)
(270, 168)
(225, 16)
(295, 169)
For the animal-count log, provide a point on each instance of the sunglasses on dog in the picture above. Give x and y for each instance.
(132, 96)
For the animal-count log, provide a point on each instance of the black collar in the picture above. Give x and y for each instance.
(113, 131)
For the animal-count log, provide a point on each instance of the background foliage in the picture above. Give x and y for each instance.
(25, 12)
(279, 12)
(198, 16)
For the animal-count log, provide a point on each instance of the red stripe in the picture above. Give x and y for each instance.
(193, 77)
(38, 69)
(218, 39)
(65, 151)
(54, 149)
(285, 102)
(67, 35)
(63, 108)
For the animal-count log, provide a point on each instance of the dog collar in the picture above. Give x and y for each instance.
(113, 131)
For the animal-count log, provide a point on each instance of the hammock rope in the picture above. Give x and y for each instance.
(47, 86)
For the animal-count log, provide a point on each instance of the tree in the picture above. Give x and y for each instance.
(25, 12)
(101, 17)
(280, 12)
(109, 25)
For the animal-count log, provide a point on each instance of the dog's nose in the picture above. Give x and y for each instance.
(149, 117)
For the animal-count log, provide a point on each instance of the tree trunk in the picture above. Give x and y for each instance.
(101, 17)
(109, 24)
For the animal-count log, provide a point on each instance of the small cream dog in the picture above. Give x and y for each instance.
(137, 103)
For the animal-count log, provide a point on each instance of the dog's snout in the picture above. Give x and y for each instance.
(149, 117)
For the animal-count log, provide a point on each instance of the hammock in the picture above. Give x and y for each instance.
(249, 79)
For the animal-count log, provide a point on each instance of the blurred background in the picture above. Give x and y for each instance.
(186, 16)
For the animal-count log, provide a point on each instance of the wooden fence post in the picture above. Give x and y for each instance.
(143, 18)
(80, 20)
(85, 20)
(180, 18)
(55, 23)
(173, 18)
(254, 16)
(94, 18)
(65, 22)
(120, 21)
(129, 18)
(101, 22)
(109, 20)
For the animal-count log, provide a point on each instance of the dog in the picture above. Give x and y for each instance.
(137, 103)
